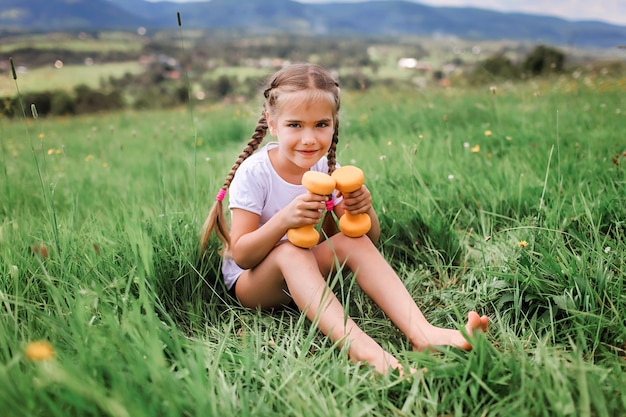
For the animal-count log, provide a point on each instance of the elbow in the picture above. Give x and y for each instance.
(240, 258)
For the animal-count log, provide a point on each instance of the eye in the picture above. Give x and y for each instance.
(293, 125)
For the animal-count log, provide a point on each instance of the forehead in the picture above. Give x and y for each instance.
(306, 104)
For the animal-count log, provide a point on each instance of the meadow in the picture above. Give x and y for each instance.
(509, 200)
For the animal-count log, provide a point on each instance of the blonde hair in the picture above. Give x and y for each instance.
(291, 79)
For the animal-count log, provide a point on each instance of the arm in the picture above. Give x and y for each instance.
(360, 201)
(250, 243)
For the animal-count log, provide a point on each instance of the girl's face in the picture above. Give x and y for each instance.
(304, 129)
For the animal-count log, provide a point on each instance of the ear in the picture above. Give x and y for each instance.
(270, 124)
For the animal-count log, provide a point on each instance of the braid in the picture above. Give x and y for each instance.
(216, 219)
(253, 145)
(332, 151)
(329, 224)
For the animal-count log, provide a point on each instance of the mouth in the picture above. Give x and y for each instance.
(307, 152)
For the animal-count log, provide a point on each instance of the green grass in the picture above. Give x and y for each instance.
(65, 78)
(510, 204)
(102, 42)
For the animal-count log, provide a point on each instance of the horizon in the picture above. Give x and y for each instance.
(609, 11)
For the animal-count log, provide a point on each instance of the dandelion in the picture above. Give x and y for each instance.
(488, 133)
(39, 351)
(42, 135)
(389, 143)
(105, 165)
(607, 249)
(208, 160)
(50, 151)
(420, 136)
(89, 158)
(522, 244)
(475, 149)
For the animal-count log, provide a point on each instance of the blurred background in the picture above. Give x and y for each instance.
(79, 56)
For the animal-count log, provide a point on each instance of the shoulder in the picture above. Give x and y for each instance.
(251, 186)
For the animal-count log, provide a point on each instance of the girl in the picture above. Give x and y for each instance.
(264, 270)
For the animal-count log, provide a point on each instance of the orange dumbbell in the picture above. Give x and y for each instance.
(348, 179)
(317, 183)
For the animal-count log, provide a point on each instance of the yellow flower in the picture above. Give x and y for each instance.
(389, 143)
(50, 151)
(39, 351)
(41, 136)
(475, 149)
(522, 243)
(488, 133)
(89, 157)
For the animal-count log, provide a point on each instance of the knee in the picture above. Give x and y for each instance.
(288, 250)
(346, 245)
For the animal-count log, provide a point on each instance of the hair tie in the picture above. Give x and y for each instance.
(329, 205)
(221, 194)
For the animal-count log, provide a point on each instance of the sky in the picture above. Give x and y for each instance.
(611, 11)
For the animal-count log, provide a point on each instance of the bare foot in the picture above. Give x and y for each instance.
(371, 352)
(437, 336)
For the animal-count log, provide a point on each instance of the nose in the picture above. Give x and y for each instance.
(308, 136)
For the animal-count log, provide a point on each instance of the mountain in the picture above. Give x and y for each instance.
(49, 15)
(370, 18)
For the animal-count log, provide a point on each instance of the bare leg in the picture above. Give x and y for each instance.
(379, 281)
(296, 270)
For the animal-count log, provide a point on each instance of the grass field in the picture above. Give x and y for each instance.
(67, 77)
(511, 203)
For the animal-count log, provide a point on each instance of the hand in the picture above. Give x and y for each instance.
(304, 210)
(359, 201)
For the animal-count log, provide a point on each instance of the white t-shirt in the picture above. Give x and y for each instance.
(258, 188)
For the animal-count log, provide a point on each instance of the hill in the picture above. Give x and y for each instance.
(373, 18)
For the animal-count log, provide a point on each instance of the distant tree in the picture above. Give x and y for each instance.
(544, 60)
(223, 86)
(502, 67)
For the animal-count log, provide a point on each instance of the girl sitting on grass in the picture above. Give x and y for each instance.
(262, 269)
